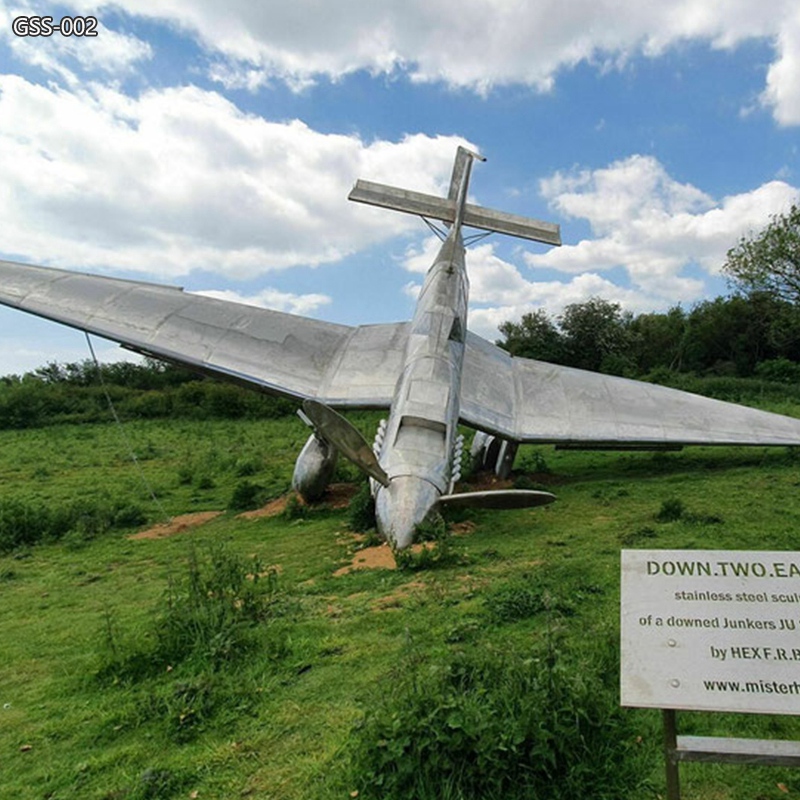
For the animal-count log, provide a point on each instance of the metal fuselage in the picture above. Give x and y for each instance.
(419, 441)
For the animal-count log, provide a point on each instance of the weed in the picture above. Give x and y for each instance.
(361, 512)
(211, 617)
(489, 724)
(205, 482)
(155, 784)
(524, 481)
(436, 551)
(295, 509)
(246, 467)
(246, 496)
(534, 461)
(672, 509)
(639, 535)
(520, 599)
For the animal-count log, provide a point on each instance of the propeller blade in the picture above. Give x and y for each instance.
(335, 429)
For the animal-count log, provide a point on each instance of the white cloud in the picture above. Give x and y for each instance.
(477, 45)
(652, 226)
(179, 179)
(500, 292)
(110, 52)
(783, 78)
(644, 222)
(303, 304)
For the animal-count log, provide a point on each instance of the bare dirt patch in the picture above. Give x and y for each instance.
(272, 509)
(463, 528)
(179, 524)
(378, 557)
(337, 496)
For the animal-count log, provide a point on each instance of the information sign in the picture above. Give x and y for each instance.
(711, 630)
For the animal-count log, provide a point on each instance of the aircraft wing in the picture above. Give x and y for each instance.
(347, 367)
(533, 401)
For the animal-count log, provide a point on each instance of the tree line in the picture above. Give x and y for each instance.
(755, 331)
(80, 391)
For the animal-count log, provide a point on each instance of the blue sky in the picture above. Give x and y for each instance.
(213, 146)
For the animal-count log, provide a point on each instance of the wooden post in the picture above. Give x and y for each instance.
(670, 754)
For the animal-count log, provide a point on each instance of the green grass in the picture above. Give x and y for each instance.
(158, 668)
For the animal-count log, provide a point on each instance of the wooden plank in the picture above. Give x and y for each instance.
(775, 752)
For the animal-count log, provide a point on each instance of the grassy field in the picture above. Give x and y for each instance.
(242, 658)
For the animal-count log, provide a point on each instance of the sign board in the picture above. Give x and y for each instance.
(711, 630)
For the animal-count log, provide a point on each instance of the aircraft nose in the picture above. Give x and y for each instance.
(401, 506)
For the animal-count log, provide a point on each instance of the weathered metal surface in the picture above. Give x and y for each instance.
(348, 440)
(426, 205)
(775, 752)
(500, 499)
(278, 352)
(532, 401)
(431, 373)
(314, 468)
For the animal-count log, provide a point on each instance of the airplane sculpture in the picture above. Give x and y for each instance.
(430, 373)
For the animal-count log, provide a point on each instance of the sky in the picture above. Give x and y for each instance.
(212, 146)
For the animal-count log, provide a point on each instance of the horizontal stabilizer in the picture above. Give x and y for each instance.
(336, 430)
(428, 205)
(503, 499)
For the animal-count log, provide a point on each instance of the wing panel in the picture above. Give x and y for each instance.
(366, 371)
(559, 404)
(487, 386)
(278, 352)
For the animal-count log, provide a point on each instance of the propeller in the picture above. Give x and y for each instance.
(334, 428)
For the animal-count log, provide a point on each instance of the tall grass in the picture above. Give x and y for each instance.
(485, 724)
(210, 617)
(27, 522)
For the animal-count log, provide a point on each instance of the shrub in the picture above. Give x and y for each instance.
(246, 496)
(672, 509)
(485, 724)
(210, 616)
(521, 599)
(24, 523)
(780, 370)
(361, 512)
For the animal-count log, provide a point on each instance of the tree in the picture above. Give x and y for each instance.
(770, 260)
(594, 335)
(660, 337)
(534, 336)
(598, 336)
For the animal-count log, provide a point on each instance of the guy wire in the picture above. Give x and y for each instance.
(123, 433)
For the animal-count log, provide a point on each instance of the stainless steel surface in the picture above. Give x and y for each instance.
(345, 438)
(500, 499)
(277, 352)
(427, 205)
(431, 373)
(531, 401)
(314, 468)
